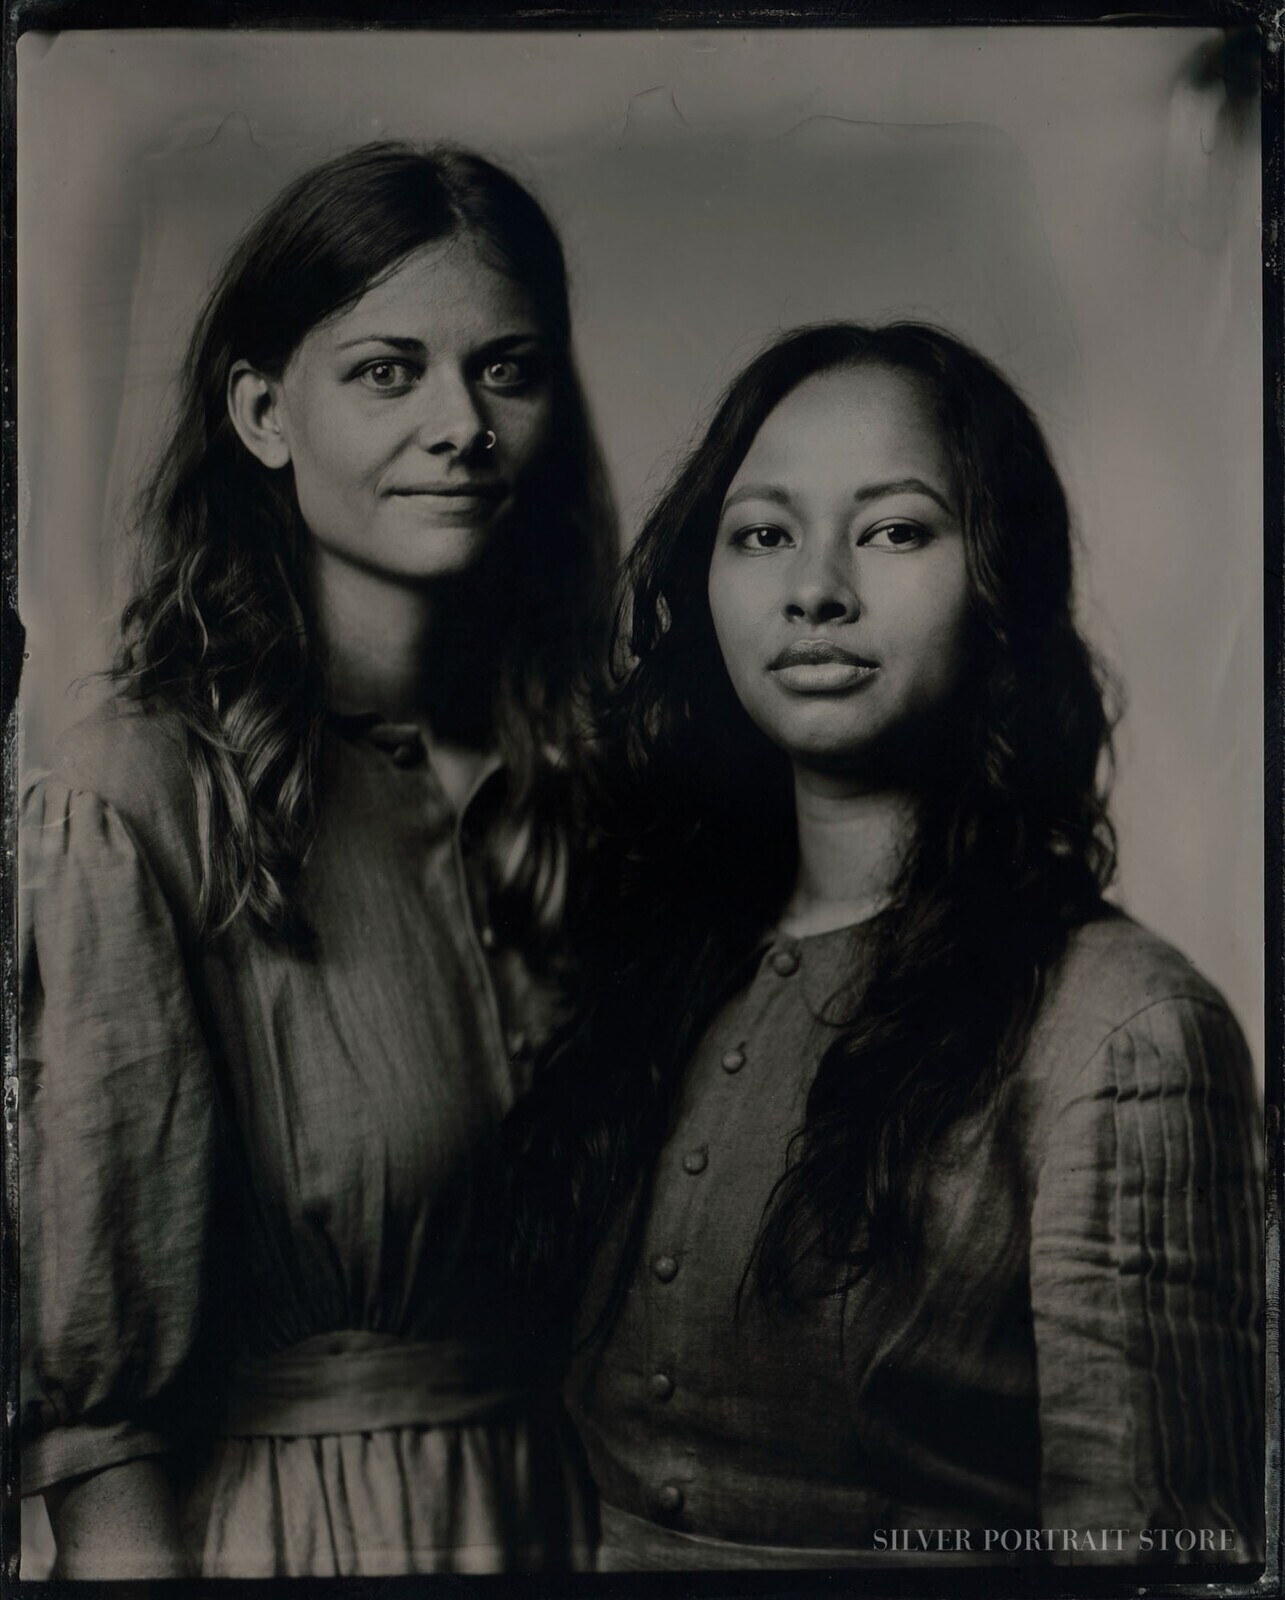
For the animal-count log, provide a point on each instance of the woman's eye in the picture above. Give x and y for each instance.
(763, 536)
(388, 377)
(506, 374)
(895, 536)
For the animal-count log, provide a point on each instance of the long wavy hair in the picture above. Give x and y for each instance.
(220, 630)
(1012, 849)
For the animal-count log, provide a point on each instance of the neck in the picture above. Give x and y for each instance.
(413, 652)
(852, 842)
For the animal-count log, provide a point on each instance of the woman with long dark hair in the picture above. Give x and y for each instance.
(909, 1191)
(293, 906)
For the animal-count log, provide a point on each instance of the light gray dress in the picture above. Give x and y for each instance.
(253, 1182)
(1076, 1348)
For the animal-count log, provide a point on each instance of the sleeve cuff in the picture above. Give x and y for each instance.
(75, 1452)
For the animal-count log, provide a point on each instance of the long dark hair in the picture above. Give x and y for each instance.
(1013, 848)
(219, 630)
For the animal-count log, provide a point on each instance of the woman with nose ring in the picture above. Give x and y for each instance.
(293, 914)
(911, 1194)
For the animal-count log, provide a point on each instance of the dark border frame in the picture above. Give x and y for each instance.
(1257, 17)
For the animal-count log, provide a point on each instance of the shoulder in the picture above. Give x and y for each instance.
(1113, 968)
(129, 754)
(1144, 1107)
(1124, 1003)
(125, 762)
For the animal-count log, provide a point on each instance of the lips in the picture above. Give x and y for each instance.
(452, 491)
(462, 504)
(819, 666)
(810, 652)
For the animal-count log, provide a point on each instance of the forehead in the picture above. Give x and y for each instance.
(443, 293)
(852, 420)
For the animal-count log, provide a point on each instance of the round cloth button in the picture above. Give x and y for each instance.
(784, 962)
(665, 1268)
(695, 1161)
(487, 937)
(407, 755)
(733, 1060)
(662, 1386)
(670, 1499)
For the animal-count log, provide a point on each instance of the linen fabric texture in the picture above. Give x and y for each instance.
(1078, 1348)
(254, 1181)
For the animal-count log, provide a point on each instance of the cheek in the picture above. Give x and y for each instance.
(334, 484)
(316, 451)
(338, 446)
(733, 624)
(948, 646)
(323, 490)
(527, 436)
(936, 615)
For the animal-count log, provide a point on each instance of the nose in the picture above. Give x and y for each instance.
(823, 585)
(452, 421)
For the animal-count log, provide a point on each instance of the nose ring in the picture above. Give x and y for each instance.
(489, 441)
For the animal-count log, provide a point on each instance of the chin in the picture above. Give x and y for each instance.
(446, 553)
(904, 755)
(835, 747)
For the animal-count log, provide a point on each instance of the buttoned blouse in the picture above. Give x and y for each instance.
(254, 1178)
(1078, 1344)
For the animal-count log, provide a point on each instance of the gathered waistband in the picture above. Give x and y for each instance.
(356, 1382)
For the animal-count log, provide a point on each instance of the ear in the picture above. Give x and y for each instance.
(254, 405)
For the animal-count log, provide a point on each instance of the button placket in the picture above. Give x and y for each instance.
(482, 938)
(669, 1500)
(664, 1268)
(670, 1233)
(401, 743)
(661, 1386)
(740, 1069)
(682, 1204)
(677, 1240)
(785, 961)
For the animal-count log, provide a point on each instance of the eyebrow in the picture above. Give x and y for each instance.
(876, 491)
(411, 346)
(758, 491)
(775, 495)
(394, 340)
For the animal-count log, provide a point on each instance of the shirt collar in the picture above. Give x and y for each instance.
(374, 727)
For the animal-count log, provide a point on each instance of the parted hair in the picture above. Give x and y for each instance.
(1012, 848)
(219, 629)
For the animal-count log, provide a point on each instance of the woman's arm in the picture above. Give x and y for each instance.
(115, 1167)
(1147, 1272)
(118, 1523)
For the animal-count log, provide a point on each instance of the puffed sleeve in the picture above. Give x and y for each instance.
(1147, 1265)
(115, 1142)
